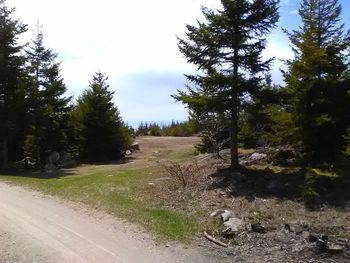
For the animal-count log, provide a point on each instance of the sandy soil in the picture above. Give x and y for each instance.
(38, 228)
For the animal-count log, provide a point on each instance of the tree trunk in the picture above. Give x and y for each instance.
(234, 94)
(4, 153)
(234, 118)
(233, 136)
(234, 106)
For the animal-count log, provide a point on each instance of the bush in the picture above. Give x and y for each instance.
(185, 174)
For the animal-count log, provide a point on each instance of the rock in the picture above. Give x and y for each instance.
(309, 237)
(343, 242)
(321, 245)
(217, 213)
(127, 152)
(334, 248)
(29, 163)
(234, 224)
(256, 157)
(258, 228)
(297, 229)
(135, 146)
(227, 215)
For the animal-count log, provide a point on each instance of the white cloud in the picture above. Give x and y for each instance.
(278, 47)
(284, 2)
(118, 37)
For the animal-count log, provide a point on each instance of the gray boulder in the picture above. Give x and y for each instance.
(234, 225)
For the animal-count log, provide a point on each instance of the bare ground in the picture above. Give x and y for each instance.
(245, 194)
(37, 228)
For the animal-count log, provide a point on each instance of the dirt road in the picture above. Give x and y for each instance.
(37, 228)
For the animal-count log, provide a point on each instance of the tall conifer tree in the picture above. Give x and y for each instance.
(103, 134)
(47, 105)
(227, 49)
(316, 78)
(11, 63)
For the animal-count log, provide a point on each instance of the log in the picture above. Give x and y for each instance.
(212, 239)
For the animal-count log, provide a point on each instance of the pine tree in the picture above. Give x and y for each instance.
(316, 78)
(47, 105)
(227, 48)
(103, 135)
(11, 63)
(319, 44)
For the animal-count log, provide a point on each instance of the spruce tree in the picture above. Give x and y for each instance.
(316, 78)
(11, 65)
(47, 105)
(103, 135)
(227, 48)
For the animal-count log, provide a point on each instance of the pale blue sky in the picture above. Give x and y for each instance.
(134, 43)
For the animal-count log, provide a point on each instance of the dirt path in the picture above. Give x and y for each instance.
(37, 228)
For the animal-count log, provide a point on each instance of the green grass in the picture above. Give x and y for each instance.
(324, 173)
(117, 191)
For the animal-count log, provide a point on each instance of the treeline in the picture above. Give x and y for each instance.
(232, 97)
(36, 116)
(178, 129)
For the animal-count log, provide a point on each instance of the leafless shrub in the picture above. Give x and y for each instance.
(188, 174)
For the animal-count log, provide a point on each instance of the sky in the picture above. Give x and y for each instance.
(134, 42)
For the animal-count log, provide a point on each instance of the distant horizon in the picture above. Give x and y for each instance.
(136, 123)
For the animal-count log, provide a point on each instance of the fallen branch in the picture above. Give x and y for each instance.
(212, 239)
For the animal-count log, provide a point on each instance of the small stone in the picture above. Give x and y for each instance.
(257, 157)
(258, 228)
(233, 224)
(342, 241)
(217, 213)
(294, 228)
(227, 215)
(334, 248)
(321, 245)
(287, 228)
(312, 238)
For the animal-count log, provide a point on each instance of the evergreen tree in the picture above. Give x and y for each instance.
(11, 63)
(103, 135)
(319, 44)
(316, 78)
(47, 106)
(227, 50)
(347, 143)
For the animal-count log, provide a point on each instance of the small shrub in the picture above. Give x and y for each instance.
(185, 174)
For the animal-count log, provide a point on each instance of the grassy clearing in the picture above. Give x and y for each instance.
(117, 190)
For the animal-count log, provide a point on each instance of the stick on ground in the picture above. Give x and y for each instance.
(212, 239)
